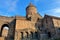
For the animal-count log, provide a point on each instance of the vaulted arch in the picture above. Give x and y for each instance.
(4, 30)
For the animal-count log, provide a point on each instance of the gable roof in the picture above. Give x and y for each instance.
(52, 17)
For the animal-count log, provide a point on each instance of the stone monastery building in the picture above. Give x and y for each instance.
(31, 27)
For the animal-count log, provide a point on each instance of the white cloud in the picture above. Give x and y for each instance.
(9, 5)
(53, 12)
(4, 14)
(12, 6)
(6, 28)
(56, 10)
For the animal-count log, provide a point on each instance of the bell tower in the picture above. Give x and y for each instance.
(30, 11)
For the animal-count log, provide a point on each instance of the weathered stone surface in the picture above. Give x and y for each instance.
(31, 27)
(2, 38)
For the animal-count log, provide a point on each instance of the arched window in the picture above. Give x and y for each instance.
(38, 19)
(31, 34)
(4, 30)
(27, 34)
(21, 35)
(49, 35)
(36, 35)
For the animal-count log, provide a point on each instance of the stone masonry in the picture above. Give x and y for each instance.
(31, 27)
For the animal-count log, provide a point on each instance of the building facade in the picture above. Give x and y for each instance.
(31, 27)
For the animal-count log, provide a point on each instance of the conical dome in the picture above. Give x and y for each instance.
(30, 5)
(30, 10)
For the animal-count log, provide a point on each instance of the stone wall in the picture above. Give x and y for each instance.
(56, 22)
(2, 38)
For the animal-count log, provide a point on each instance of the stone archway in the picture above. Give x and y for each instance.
(4, 30)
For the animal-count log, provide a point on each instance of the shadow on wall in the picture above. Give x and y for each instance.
(28, 35)
(4, 27)
(8, 30)
(51, 32)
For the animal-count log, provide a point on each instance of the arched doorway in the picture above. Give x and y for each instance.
(36, 35)
(4, 30)
(49, 35)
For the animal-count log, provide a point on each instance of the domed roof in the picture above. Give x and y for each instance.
(30, 5)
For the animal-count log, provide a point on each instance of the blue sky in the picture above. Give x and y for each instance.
(18, 7)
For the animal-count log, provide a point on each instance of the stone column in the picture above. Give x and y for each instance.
(17, 36)
(20, 35)
(26, 35)
(29, 35)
